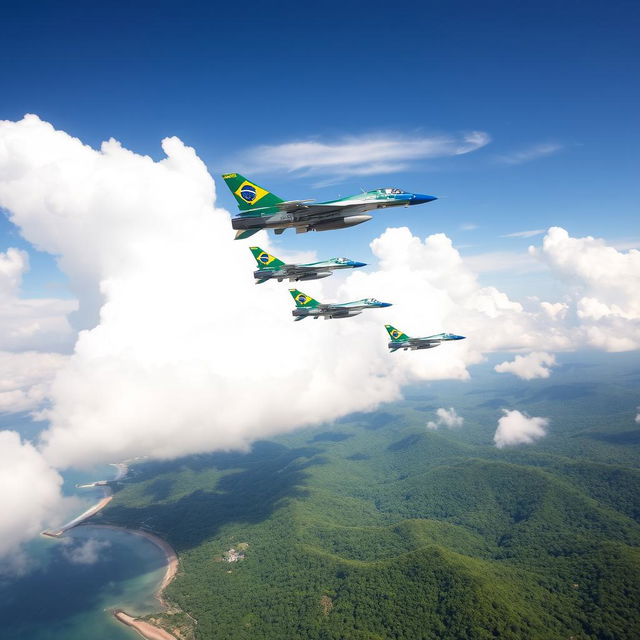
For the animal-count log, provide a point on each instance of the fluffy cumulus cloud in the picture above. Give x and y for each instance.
(605, 284)
(536, 364)
(30, 494)
(446, 418)
(29, 323)
(178, 351)
(518, 428)
(178, 357)
(360, 155)
(25, 379)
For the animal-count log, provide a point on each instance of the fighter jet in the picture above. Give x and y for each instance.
(270, 267)
(307, 307)
(261, 209)
(401, 340)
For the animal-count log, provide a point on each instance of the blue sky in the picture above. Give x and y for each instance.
(228, 78)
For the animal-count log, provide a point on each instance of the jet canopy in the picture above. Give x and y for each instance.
(391, 191)
(371, 301)
(342, 260)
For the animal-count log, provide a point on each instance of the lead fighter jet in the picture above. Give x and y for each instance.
(261, 209)
(307, 307)
(270, 267)
(401, 340)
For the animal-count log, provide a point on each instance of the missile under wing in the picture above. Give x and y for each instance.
(270, 267)
(307, 307)
(261, 209)
(400, 340)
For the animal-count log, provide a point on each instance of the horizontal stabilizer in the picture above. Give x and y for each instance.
(245, 233)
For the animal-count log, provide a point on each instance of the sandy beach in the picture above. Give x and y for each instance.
(91, 511)
(145, 629)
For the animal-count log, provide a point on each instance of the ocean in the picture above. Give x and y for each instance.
(64, 589)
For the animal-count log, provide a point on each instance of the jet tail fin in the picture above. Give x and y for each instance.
(303, 300)
(395, 334)
(264, 259)
(248, 194)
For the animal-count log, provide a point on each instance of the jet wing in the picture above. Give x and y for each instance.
(301, 210)
(299, 268)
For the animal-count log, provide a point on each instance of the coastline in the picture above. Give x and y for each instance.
(170, 554)
(143, 628)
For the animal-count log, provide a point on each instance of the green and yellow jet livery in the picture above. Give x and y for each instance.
(269, 267)
(261, 209)
(401, 340)
(308, 307)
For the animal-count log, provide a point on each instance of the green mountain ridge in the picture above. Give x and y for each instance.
(396, 532)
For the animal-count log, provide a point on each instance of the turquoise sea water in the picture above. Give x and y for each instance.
(65, 587)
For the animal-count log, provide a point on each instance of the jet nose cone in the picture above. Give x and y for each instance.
(384, 304)
(459, 337)
(355, 264)
(421, 198)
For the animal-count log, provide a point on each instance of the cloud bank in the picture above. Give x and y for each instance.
(518, 428)
(31, 323)
(605, 284)
(179, 355)
(25, 379)
(536, 364)
(30, 492)
(446, 418)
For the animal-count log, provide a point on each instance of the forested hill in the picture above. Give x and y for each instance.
(376, 528)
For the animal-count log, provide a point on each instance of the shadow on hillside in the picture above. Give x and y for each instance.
(331, 436)
(256, 483)
(621, 437)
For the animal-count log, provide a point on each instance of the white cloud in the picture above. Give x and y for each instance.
(534, 365)
(30, 494)
(530, 153)
(38, 323)
(555, 310)
(362, 155)
(638, 416)
(178, 356)
(446, 418)
(518, 428)
(180, 347)
(524, 234)
(468, 226)
(86, 552)
(605, 284)
(25, 379)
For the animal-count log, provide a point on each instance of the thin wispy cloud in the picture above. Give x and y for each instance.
(468, 226)
(363, 155)
(530, 153)
(524, 234)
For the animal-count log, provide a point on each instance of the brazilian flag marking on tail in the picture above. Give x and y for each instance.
(248, 194)
(302, 299)
(395, 334)
(265, 259)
